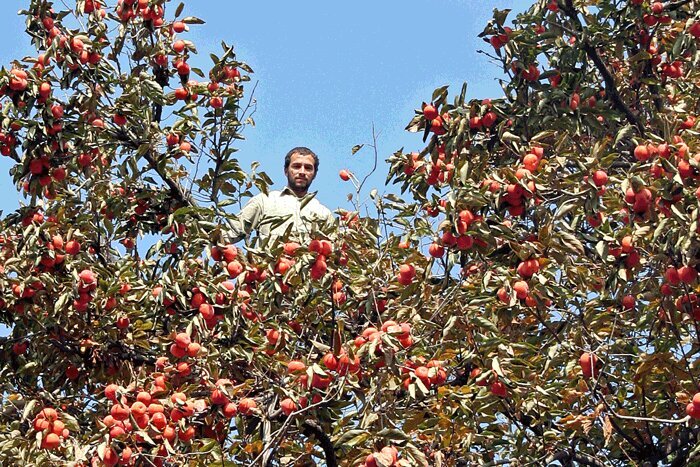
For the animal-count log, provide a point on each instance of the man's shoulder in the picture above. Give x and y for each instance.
(261, 197)
(320, 208)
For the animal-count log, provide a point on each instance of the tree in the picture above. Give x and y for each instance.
(551, 318)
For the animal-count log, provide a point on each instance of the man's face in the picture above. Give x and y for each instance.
(300, 172)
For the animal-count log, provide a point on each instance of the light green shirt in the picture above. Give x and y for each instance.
(272, 215)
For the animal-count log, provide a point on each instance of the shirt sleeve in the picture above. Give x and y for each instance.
(248, 219)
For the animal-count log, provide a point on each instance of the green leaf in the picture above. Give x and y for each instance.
(192, 20)
(29, 408)
(623, 133)
(352, 438)
(179, 9)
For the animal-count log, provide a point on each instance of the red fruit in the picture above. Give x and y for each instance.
(430, 112)
(499, 389)
(19, 348)
(59, 173)
(206, 310)
(44, 89)
(272, 336)
(51, 441)
(422, 373)
(687, 274)
(72, 247)
(183, 369)
(531, 162)
(183, 340)
(318, 269)
(330, 361)
(179, 46)
(111, 392)
(390, 452)
(521, 289)
(169, 433)
(290, 248)
(49, 414)
(122, 322)
(589, 364)
(72, 372)
(694, 29)
(641, 153)
(436, 250)
(179, 26)
(159, 420)
(246, 406)
(171, 140)
(692, 410)
(344, 175)
(666, 289)
(503, 296)
(600, 178)
(119, 412)
(436, 126)
(407, 270)
(110, 457)
(125, 456)
(296, 366)
(488, 119)
(288, 406)
(230, 410)
(627, 244)
(193, 349)
(139, 409)
(144, 397)
(216, 102)
(628, 302)
(234, 268)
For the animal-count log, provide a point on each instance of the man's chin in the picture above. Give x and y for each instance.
(299, 186)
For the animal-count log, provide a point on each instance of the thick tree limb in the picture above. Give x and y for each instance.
(313, 428)
(671, 6)
(175, 187)
(569, 455)
(610, 87)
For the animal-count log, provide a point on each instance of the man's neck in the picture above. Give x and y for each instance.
(298, 193)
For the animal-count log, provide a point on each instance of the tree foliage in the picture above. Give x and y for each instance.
(530, 298)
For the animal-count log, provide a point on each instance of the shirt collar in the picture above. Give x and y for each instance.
(288, 191)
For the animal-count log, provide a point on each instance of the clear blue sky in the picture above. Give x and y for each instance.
(327, 71)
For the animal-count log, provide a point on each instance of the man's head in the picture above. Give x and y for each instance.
(300, 167)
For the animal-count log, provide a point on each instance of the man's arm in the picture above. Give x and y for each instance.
(248, 219)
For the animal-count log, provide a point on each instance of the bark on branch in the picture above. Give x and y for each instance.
(313, 428)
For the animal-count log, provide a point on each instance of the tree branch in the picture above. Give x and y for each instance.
(671, 6)
(610, 88)
(570, 455)
(313, 428)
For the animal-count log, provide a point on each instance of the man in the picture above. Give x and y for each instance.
(292, 213)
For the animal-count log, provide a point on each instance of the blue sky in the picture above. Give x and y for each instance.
(326, 72)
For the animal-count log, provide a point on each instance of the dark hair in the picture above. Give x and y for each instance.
(302, 151)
